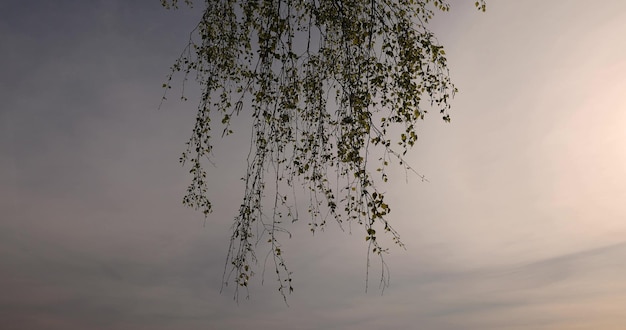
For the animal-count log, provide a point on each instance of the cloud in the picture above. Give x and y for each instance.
(93, 234)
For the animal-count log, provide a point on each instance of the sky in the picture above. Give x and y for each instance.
(521, 225)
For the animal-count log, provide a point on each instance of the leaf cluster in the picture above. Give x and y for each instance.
(328, 84)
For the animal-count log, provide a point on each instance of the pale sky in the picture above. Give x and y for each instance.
(522, 225)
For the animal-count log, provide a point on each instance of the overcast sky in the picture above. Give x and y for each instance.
(522, 225)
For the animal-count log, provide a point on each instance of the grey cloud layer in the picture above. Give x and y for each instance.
(92, 233)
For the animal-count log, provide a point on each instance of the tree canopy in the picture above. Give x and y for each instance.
(335, 90)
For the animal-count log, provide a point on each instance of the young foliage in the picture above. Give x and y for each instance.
(328, 84)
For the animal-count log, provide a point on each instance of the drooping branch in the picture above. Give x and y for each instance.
(328, 84)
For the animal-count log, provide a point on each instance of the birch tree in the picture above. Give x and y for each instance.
(335, 90)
